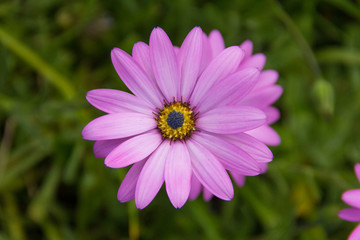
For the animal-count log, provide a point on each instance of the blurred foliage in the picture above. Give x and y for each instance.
(52, 52)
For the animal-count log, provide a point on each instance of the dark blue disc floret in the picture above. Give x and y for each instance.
(175, 119)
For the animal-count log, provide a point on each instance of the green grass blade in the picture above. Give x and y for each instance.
(34, 60)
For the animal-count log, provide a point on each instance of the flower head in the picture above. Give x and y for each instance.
(185, 125)
(352, 197)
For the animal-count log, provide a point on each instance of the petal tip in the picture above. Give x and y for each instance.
(228, 196)
(274, 72)
(140, 204)
(248, 42)
(115, 51)
(84, 133)
(178, 204)
(120, 196)
(261, 116)
(357, 170)
(252, 71)
(108, 164)
(236, 50)
(197, 28)
(157, 32)
(215, 31)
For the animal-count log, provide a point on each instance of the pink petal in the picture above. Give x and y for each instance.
(357, 170)
(232, 157)
(352, 197)
(152, 176)
(267, 78)
(178, 174)
(272, 114)
(266, 135)
(127, 188)
(207, 195)
(216, 42)
(258, 150)
(141, 54)
(190, 57)
(135, 77)
(231, 119)
(133, 150)
(355, 235)
(165, 65)
(238, 178)
(263, 167)
(206, 53)
(209, 171)
(229, 90)
(221, 66)
(350, 214)
(103, 147)
(113, 101)
(263, 97)
(195, 188)
(247, 46)
(258, 60)
(118, 125)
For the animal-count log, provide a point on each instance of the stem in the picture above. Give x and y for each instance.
(134, 225)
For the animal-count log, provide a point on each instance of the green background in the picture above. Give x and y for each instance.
(52, 52)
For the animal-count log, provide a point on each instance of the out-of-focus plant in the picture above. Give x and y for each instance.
(53, 52)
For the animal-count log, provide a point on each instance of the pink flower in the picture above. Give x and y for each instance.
(184, 122)
(261, 96)
(352, 197)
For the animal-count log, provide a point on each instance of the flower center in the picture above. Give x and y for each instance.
(176, 121)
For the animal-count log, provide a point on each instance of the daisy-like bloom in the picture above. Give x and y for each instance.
(184, 123)
(262, 96)
(352, 197)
